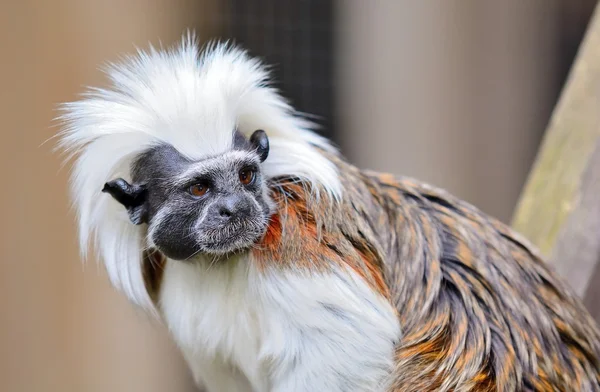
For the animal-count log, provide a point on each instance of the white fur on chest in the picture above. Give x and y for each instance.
(245, 330)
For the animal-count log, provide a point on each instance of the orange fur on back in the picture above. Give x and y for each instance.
(298, 236)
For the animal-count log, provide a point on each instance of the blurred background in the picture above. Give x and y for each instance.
(456, 93)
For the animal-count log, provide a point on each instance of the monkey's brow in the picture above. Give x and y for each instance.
(227, 160)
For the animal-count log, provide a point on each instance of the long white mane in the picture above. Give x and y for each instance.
(193, 100)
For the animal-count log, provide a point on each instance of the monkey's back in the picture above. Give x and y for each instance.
(480, 310)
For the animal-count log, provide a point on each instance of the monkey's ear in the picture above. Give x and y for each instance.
(260, 142)
(133, 197)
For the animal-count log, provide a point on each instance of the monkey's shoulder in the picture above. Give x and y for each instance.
(444, 209)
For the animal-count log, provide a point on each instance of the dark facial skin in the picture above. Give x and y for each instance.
(216, 206)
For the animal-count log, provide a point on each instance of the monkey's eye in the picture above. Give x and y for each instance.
(198, 190)
(247, 176)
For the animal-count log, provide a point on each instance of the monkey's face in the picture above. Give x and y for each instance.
(215, 206)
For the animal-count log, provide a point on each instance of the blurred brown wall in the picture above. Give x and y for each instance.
(456, 93)
(62, 327)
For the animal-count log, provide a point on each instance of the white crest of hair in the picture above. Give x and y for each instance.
(193, 101)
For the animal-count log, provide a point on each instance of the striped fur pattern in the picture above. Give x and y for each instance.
(479, 308)
(363, 281)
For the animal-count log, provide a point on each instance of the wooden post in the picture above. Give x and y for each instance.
(559, 209)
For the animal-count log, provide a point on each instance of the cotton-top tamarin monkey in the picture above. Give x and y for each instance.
(278, 266)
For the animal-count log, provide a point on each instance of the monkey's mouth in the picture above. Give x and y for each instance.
(231, 239)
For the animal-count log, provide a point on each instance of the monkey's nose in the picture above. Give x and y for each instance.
(231, 207)
(225, 212)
